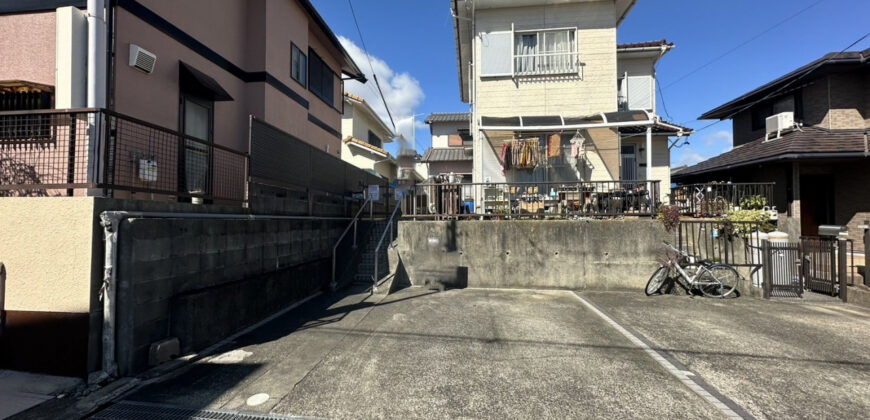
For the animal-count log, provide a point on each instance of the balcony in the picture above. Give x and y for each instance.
(716, 199)
(68, 152)
(533, 200)
(543, 64)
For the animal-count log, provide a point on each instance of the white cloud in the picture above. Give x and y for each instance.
(401, 90)
(719, 138)
(688, 158)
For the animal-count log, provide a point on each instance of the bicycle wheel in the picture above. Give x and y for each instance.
(719, 281)
(656, 280)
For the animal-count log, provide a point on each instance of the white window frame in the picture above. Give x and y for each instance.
(539, 32)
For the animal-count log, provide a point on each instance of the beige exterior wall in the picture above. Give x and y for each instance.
(356, 122)
(47, 252)
(441, 132)
(27, 47)
(591, 92)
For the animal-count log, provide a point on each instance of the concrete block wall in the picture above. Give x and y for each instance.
(202, 280)
(553, 254)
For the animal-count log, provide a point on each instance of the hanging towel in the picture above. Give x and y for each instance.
(554, 146)
(505, 157)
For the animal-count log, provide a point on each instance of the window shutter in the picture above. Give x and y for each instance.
(495, 54)
(454, 140)
(640, 94)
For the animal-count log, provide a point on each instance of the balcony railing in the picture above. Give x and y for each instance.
(546, 63)
(718, 198)
(533, 200)
(56, 153)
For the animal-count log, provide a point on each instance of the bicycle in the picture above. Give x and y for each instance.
(712, 280)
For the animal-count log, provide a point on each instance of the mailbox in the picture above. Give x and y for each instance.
(831, 230)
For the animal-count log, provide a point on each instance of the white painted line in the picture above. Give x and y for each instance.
(680, 374)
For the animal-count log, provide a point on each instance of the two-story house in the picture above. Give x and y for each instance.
(107, 104)
(365, 134)
(452, 145)
(807, 132)
(549, 78)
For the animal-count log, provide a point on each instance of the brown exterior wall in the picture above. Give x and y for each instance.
(27, 47)
(255, 36)
(834, 102)
(852, 199)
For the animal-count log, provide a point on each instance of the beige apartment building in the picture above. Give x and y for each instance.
(550, 77)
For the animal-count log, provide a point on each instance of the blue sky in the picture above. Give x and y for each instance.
(413, 46)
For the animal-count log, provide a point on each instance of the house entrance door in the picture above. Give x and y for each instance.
(817, 203)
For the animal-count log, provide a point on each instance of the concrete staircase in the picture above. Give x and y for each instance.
(366, 267)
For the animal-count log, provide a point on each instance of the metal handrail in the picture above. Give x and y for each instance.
(353, 223)
(381, 241)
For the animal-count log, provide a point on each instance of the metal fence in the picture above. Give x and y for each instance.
(716, 199)
(519, 200)
(734, 243)
(50, 153)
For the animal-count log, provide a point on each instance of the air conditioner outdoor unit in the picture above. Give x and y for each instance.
(142, 59)
(778, 123)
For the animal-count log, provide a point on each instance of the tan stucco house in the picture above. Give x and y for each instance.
(551, 75)
(451, 150)
(364, 136)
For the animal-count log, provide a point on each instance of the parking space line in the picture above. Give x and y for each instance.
(688, 378)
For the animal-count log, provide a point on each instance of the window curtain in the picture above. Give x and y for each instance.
(527, 47)
(557, 45)
(196, 124)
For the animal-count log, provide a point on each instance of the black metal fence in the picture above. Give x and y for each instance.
(716, 199)
(735, 243)
(520, 200)
(52, 152)
(783, 276)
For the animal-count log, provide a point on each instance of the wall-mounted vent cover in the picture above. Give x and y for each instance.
(142, 59)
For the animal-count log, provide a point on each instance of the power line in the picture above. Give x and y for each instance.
(368, 57)
(662, 96)
(783, 87)
(759, 35)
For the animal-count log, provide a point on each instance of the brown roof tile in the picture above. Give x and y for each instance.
(810, 142)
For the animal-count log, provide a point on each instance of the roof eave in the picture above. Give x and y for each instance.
(350, 67)
(724, 111)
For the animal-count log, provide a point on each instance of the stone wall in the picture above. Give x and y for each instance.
(563, 254)
(201, 280)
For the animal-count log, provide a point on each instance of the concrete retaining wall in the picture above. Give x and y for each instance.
(564, 254)
(201, 280)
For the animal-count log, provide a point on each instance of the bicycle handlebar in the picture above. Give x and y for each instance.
(673, 248)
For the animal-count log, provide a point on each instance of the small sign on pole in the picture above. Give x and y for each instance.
(374, 192)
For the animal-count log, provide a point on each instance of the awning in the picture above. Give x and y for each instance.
(625, 121)
(198, 83)
(559, 122)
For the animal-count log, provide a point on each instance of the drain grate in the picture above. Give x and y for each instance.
(132, 410)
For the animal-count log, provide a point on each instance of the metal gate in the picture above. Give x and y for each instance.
(816, 263)
(819, 264)
(782, 269)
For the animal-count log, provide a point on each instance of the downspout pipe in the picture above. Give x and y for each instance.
(96, 54)
(111, 220)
